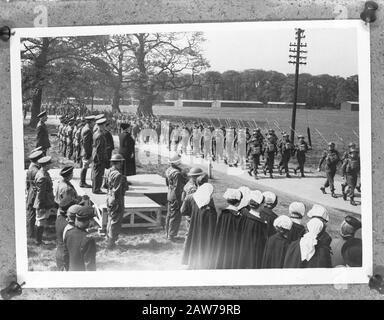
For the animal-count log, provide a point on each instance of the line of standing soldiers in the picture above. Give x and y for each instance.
(270, 146)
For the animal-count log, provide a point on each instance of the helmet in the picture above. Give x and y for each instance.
(117, 157)
(196, 171)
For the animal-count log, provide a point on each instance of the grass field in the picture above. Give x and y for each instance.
(147, 249)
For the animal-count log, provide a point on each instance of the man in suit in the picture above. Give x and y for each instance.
(99, 157)
(86, 150)
(127, 150)
(42, 132)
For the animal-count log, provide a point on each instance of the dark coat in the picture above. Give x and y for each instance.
(62, 261)
(198, 245)
(253, 236)
(99, 153)
(42, 136)
(275, 250)
(127, 150)
(109, 145)
(268, 215)
(296, 232)
(80, 250)
(86, 142)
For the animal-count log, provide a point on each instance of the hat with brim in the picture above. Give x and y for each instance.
(40, 148)
(99, 116)
(45, 160)
(67, 170)
(85, 213)
(89, 118)
(195, 172)
(35, 155)
(42, 114)
(101, 121)
(117, 158)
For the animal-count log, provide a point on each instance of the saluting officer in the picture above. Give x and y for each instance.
(31, 191)
(351, 170)
(332, 159)
(86, 150)
(116, 184)
(300, 150)
(79, 247)
(286, 149)
(42, 133)
(255, 150)
(99, 157)
(44, 201)
(175, 182)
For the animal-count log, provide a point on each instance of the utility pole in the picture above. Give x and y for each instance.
(296, 59)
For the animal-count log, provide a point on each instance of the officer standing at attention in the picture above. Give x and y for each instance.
(331, 158)
(79, 248)
(286, 149)
(86, 150)
(42, 133)
(175, 182)
(99, 157)
(351, 171)
(300, 150)
(116, 184)
(44, 201)
(31, 191)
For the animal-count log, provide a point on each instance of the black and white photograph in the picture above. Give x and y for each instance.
(192, 154)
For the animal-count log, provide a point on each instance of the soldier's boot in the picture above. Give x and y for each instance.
(352, 201)
(323, 190)
(265, 171)
(333, 195)
(358, 188)
(39, 235)
(280, 171)
(343, 185)
(270, 175)
(83, 183)
(295, 171)
(288, 175)
(250, 172)
(344, 196)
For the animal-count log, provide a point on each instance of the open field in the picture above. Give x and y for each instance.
(146, 249)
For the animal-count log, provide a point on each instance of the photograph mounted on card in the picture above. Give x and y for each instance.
(192, 154)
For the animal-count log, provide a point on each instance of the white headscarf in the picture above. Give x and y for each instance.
(318, 211)
(232, 194)
(245, 191)
(308, 241)
(203, 195)
(283, 222)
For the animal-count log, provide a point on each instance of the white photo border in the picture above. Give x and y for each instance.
(239, 277)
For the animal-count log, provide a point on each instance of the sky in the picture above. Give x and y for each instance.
(330, 51)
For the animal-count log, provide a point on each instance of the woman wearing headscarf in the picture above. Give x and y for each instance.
(266, 211)
(198, 245)
(253, 234)
(296, 213)
(226, 231)
(277, 245)
(312, 250)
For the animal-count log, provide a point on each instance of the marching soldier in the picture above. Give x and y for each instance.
(42, 133)
(31, 191)
(300, 150)
(351, 146)
(270, 150)
(44, 201)
(286, 149)
(116, 184)
(65, 196)
(99, 157)
(351, 170)
(331, 158)
(79, 248)
(175, 182)
(86, 150)
(255, 150)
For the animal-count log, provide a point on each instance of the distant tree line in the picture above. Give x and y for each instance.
(320, 91)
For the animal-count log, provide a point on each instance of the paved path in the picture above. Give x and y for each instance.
(305, 189)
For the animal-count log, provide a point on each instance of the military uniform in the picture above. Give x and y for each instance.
(64, 139)
(255, 150)
(60, 135)
(69, 141)
(86, 152)
(270, 150)
(189, 188)
(117, 185)
(351, 170)
(300, 150)
(31, 196)
(44, 201)
(99, 158)
(79, 250)
(175, 183)
(109, 144)
(42, 137)
(331, 158)
(286, 149)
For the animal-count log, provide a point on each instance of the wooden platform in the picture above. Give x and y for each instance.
(140, 210)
